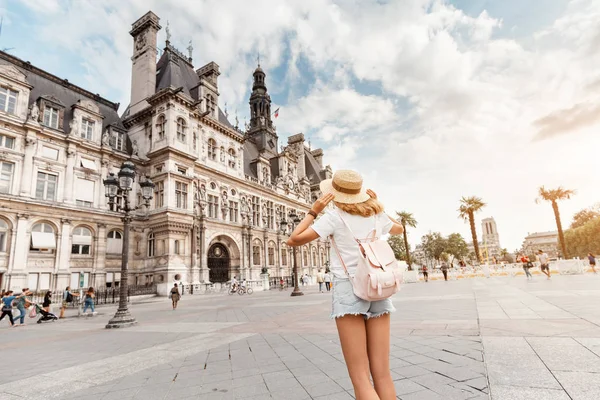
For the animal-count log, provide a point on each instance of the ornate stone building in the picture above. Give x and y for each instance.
(220, 193)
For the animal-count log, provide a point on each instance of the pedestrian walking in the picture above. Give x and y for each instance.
(527, 265)
(174, 295)
(327, 279)
(592, 260)
(47, 301)
(7, 306)
(23, 304)
(320, 280)
(545, 263)
(89, 300)
(425, 273)
(305, 279)
(363, 326)
(444, 269)
(66, 299)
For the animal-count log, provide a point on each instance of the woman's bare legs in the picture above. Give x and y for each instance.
(378, 345)
(353, 336)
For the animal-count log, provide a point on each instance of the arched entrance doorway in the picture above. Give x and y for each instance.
(218, 263)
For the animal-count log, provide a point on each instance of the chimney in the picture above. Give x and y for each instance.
(143, 68)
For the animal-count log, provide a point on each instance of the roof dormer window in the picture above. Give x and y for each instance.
(51, 115)
(8, 100)
(87, 129)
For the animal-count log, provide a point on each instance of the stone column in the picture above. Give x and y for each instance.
(250, 261)
(204, 275)
(27, 172)
(63, 256)
(101, 192)
(243, 271)
(17, 268)
(99, 268)
(278, 255)
(69, 174)
(265, 252)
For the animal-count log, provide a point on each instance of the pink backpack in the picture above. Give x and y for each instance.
(378, 275)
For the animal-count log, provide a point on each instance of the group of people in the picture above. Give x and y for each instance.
(324, 278)
(22, 302)
(11, 300)
(542, 257)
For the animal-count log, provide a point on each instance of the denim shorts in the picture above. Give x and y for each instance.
(345, 302)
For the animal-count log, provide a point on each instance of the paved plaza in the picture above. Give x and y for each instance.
(467, 339)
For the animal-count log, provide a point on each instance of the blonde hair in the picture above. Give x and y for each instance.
(365, 209)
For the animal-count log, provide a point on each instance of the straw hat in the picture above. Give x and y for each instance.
(346, 185)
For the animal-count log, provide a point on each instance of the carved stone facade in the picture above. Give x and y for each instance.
(221, 191)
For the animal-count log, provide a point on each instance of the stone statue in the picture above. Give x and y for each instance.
(224, 198)
(73, 126)
(34, 112)
(134, 148)
(106, 138)
(280, 180)
(202, 192)
(262, 120)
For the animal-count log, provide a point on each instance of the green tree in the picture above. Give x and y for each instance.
(584, 239)
(582, 217)
(407, 219)
(554, 196)
(468, 207)
(456, 247)
(397, 244)
(433, 245)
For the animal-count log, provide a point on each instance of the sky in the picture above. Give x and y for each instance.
(430, 100)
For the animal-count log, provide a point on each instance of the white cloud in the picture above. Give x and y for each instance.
(459, 108)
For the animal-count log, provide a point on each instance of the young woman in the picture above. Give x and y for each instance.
(175, 295)
(363, 326)
(47, 301)
(425, 273)
(592, 260)
(7, 306)
(89, 300)
(527, 265)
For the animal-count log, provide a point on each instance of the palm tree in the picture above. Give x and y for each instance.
(468, 207)
(407, 219)
(553, 196)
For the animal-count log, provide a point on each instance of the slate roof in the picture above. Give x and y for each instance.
(45, 84)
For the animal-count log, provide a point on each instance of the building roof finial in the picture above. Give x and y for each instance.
(190, 48)
(258, 59)
(168, 30)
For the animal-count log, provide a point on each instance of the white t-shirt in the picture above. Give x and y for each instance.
(331, 224)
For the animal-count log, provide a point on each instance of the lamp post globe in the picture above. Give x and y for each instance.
(127, 175)
(111, 183)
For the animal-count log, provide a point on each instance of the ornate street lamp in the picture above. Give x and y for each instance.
(117, 191)
(287, 229)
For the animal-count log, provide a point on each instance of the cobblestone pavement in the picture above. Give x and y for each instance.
(539, 340)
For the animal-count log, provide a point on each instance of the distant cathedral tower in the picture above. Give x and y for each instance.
(261, 128)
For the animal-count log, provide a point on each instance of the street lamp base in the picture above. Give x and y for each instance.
(297, 293)
(122, 319)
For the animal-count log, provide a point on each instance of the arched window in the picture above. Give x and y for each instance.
(284, 257)
(82, 241)
(271, 254)
(212, 149)
(160, 126)
(42, 237)
(181, 127)
(305, 257)
(256, 254)
(114, 242)
(314, 258)
(151, 244)
(232, 159)
(3, 235)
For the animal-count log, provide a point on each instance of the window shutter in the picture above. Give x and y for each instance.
(43, 240)
(88, 164)
(85, 190)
